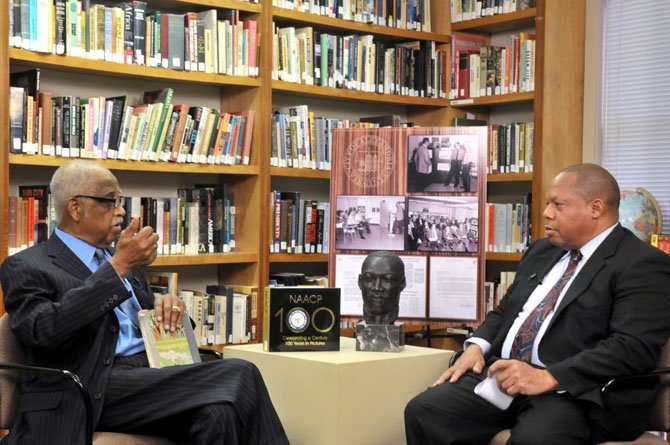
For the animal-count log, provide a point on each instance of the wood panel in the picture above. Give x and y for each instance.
(560, 98)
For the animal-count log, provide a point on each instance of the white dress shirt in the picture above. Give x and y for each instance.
(541, 291)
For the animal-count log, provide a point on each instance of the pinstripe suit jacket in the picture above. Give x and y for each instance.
(64, 316)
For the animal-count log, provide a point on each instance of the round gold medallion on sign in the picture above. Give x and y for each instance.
(368, 161)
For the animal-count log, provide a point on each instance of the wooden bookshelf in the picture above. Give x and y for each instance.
(332, 24)
(503, 256)
(510, 177)
(100, 67)
(498, 23)
(300, 173)
(559, 27)
(298, 258)
(489, 101)
(558, 92)
(145, 166)
(353, 95)
(211, 258)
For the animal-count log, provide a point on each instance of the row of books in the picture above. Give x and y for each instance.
(511, 148)
(510, 145)
(358, 62)
(300, 139)
(402, 14)
(222, 313)
(298, 225)
(32, 217)
(474, 9)
(198, 221)
(494, 291)
(110, 128)
(662, 241)
(479, 70)
(210, 41)
(508, 226)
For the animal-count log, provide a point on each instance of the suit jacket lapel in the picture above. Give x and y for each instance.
(64, 258)
(590, 269)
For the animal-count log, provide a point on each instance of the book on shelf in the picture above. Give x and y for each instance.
(388, 120)
(462, 10)
(661, 241)
(301, 319)
(166, 348)
(465, 122)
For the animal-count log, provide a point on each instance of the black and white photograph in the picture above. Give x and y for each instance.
(370, 222)
(442, 163)
(442, 224)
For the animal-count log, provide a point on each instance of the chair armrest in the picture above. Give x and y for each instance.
(210, 353)
(631, 378)
(69, 376)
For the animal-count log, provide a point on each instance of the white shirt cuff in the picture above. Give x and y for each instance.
(483, 344)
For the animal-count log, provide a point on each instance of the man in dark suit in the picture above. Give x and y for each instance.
(589, 303)
(73, 302)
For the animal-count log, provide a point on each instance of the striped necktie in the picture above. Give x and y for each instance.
(522, 347)
(127, 306)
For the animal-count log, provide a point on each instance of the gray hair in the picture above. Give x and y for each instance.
(70, 180)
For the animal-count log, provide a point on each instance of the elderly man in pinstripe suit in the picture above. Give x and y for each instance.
(72, 302)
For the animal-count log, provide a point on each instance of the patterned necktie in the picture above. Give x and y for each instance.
(522, 347)
(127, 305)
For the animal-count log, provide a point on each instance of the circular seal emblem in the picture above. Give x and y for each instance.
(368, 161)
(297, 320)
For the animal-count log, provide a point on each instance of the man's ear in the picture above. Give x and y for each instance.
(598, 208)
(74, 209)
(403, 283)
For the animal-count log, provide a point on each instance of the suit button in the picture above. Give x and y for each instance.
(107, 362)
(102, 307)
(97, 396)
(115, 297)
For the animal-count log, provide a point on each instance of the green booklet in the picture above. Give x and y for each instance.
(165, 348)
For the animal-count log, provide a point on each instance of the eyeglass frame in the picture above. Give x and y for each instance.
(116, 201)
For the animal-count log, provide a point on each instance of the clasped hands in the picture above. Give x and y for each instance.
(513, 376)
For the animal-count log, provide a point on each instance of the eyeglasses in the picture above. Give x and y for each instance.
(117, 202)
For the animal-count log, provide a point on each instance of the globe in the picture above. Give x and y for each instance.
(639, 212)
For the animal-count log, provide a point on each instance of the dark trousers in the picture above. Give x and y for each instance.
(452, 414)
(454, 172)
(465, 175)
(217, 402)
